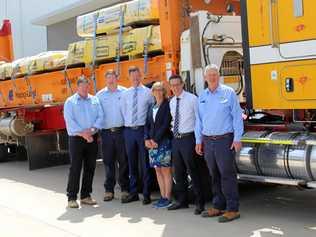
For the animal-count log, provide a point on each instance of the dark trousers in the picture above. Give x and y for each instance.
(81, 154)
(137, 154)
(184, 163)
(220, 160)
(113, 154)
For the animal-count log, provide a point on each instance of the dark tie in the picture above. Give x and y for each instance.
(177, 119)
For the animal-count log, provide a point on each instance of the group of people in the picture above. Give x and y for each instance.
(140, 129)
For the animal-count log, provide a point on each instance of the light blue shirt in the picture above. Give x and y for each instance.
(218, 113)
(110, 102)
(144, 102)
(82, 113)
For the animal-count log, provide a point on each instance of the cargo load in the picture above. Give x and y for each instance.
(20, 67)
(5, 71)
(107, 46)
(133, 43)
(48, 61)
(108, 19)
(76, 53)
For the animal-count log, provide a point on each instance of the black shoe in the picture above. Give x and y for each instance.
(146, 201)
(198, 210)
(131, 198)
(176, 206)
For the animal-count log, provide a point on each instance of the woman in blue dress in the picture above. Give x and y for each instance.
(158, 142)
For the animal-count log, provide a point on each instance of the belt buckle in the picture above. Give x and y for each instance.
(178, 136)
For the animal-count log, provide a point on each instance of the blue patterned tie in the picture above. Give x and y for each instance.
(134, 111)
(176, 119)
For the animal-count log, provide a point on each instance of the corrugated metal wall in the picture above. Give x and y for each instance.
(59, 35)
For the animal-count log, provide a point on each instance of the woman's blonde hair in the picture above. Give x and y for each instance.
(159, 86)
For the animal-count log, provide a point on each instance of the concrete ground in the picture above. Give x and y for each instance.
(33, 203)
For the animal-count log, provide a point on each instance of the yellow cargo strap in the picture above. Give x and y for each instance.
(13, 80)
(146, 48)
(28, 83)
(94, 54)
(120, 42)
(68, 84)
(270, 141)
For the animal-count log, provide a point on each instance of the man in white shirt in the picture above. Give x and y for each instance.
(183, 108)
(136, 102)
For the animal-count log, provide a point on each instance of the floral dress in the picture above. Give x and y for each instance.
(160, 156)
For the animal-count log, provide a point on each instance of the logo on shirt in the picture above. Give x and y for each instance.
(222, 100)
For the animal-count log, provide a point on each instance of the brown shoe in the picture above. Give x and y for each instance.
(108, 196)
(124, 195)
(88, 201)
(212, 212)
(73, 204)
(229, 216)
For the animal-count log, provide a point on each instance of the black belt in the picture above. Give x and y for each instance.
(113, 130)
(135, 127)
(218, 137)
(182, 135)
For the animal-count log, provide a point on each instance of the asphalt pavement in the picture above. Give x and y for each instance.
(33, 203)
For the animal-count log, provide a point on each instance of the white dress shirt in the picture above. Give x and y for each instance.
(187, 110)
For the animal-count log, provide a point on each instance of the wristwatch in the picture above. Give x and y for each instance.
(93, 130)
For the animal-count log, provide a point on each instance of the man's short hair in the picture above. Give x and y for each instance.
(110, 72)
(82, 79)
(176, 77)
(212, 67)
(133, 69)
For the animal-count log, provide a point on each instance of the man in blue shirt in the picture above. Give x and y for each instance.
(113, 144)
(83, 116)
(218, 131)
(136, 102)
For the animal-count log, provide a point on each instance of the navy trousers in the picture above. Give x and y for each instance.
(114, 155)
(184, 160)
(221, 163)
(81, 154)
(137, 155)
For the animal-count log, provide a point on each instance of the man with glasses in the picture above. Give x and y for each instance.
(183, 108)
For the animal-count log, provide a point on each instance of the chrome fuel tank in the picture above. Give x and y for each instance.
(272, 157)
(247, 158)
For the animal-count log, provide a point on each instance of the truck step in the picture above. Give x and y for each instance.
(272, 180)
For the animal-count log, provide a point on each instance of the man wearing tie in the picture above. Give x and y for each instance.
(84, 117)
(136, 102)
(113, 144)
(183, 107)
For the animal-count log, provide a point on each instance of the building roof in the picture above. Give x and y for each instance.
(72, 10)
